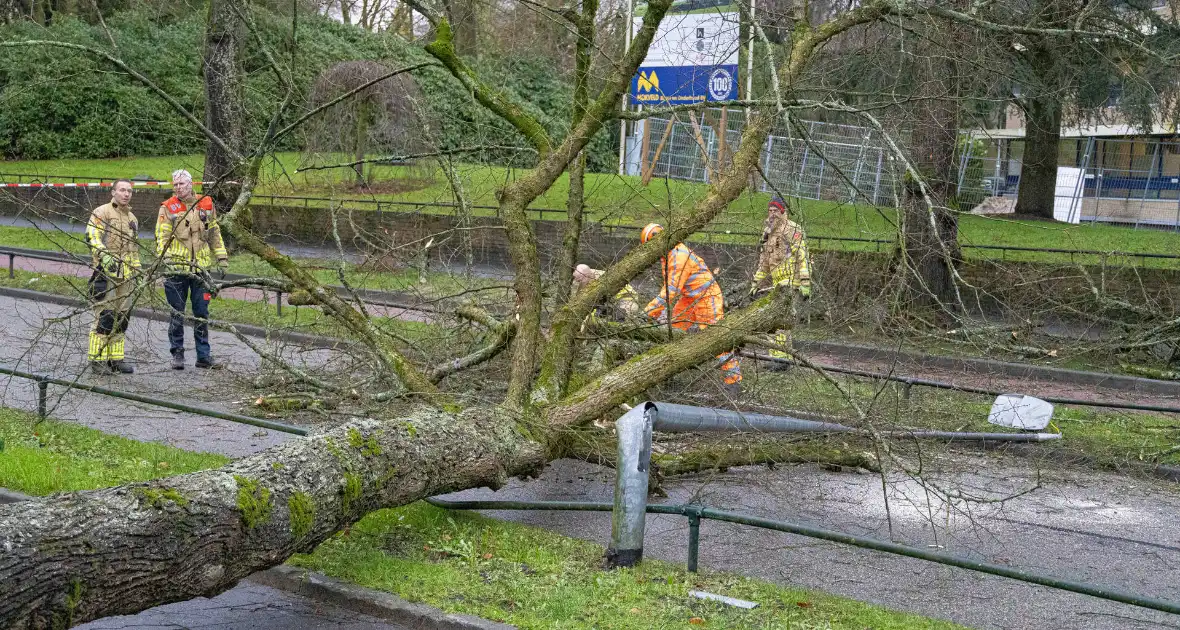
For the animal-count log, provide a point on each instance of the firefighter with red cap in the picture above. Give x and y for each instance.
(782, 262)
(691, 300)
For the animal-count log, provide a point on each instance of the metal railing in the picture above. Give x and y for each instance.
(368, 296)
(697, 513)
(43, 383)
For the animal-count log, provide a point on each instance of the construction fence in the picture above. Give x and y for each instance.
(1125, 181)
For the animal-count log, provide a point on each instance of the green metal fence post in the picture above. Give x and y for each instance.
(694, 540)
(42, 398)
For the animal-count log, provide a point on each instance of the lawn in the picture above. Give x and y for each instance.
(1110, 438)
(535, 579)
(40, 458)
(615, 199)
(459, 562)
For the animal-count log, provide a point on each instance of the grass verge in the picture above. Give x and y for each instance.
(531, 578)
(1108, 438)
(43, 457)
(1111, 438)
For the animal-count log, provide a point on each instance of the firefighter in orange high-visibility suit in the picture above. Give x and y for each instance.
(694, 298)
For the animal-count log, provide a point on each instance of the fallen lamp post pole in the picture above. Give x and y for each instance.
(634, 429)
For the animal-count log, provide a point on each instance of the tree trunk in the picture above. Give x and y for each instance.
(576, 203)
(575, 207)
(461, 15)
(1038, 172)
(930, 233)
(223, 103)
(74, 557)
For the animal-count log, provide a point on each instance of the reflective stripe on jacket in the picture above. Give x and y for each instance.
(189, 235)
(113, 229)
(691, 289)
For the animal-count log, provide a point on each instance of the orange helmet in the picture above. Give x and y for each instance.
(649, 231)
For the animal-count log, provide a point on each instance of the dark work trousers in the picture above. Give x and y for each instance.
(178, 289)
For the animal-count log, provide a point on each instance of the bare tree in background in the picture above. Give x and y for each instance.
(379, 115)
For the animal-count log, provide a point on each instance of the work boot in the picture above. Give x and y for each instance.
(100, 367)
(121, 367)
(178, 361)
(207, 363)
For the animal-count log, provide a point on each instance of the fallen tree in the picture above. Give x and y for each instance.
(70, 558)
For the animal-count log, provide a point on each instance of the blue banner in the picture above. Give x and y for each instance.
(684, 85)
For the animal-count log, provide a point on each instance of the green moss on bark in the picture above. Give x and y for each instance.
(302, 513)
(160, 497)
(254, 501)
(351, 491)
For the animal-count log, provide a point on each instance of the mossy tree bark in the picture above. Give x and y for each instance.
(73, 557)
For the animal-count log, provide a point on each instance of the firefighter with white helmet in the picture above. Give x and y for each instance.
(189, 241)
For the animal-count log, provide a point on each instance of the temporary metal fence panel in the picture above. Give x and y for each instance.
(810, 160)
(1124, 181)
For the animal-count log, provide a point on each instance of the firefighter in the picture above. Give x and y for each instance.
(111, 233)
(782, 261)
(606, 351)
(188, 240)
(625, 304)
(691, 300)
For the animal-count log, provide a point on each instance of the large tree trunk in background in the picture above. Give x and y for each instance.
(930, 237)
(74, 557)
(223, 101)
(1042, 115)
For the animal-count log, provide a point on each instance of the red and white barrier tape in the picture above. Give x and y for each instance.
(87, 184)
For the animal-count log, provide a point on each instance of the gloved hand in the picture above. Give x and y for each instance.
(759, 276)
(222, 267)
(108, 262)
(805, 291)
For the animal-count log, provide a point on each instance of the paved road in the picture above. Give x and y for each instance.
(55, 349)
(248, 605)
(1094, 527)
(51, 339)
